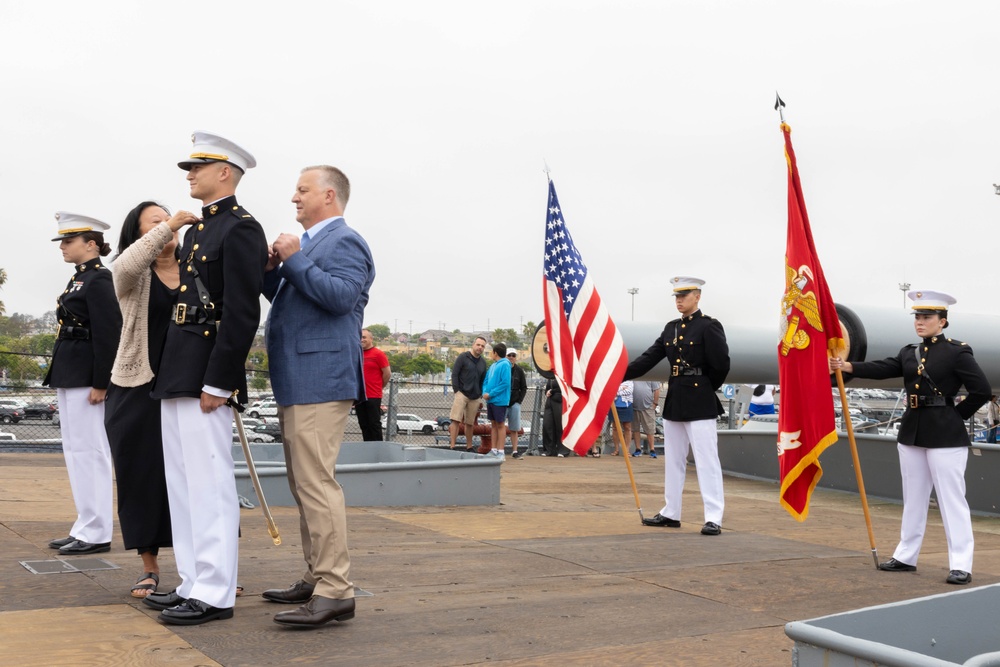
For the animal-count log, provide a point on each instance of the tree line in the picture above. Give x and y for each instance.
(26, 345)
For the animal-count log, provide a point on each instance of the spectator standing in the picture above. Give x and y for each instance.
(992, 419)
(623, 406)
(146, 277)
(496, 393)
(552, 420)
(377, 372)
(467, 382)
(645, 396)
(762, 400)
(518, 390)
(696, 346)
(318, 295)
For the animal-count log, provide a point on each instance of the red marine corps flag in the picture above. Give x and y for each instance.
(810, 327)
(587, 351)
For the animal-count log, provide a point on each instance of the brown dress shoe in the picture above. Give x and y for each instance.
(297, 593)
(318, 611)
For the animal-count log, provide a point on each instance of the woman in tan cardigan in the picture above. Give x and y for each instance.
(146, 277)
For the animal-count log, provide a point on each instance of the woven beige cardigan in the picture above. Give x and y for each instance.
(133, 273)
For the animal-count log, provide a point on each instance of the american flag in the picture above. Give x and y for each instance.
(588, 355)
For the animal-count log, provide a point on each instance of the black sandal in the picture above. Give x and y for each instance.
(145, 587)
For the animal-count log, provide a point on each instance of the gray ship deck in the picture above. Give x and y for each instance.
(561, 573)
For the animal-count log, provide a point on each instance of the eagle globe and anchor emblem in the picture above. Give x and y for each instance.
(796, 297)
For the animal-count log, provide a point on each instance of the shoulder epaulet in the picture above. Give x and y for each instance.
(242, 213)
(957, 342)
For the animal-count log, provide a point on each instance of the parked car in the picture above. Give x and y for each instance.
(252, 436)
(444, 423)
(265, 409)
(18, 403)
(9, 415)
(407, 422)
(272, 429)
(40, 410)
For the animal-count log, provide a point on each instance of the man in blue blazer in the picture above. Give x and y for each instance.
(318, 288)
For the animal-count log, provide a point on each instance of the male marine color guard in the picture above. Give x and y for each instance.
(696, 348)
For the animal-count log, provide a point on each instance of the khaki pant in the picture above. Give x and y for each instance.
(312, 435)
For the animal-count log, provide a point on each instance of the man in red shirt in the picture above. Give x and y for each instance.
(377, 373)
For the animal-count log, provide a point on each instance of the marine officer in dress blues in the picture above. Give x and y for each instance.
(933, 443)
(90, 325)
(213, 325)
(695, 346)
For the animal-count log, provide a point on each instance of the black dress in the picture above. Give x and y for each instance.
(132, 420)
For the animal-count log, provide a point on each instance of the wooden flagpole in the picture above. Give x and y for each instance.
(628, 461)
(846, 415)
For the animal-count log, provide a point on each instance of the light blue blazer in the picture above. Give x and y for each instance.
(313, 332)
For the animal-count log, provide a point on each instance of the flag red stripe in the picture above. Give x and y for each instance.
(588, 354)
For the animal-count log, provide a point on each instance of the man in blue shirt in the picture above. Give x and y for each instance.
(496, 393)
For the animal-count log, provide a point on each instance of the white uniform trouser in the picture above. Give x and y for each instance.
(88, 462)
(943, 469)
(204, 506)
(702, 437)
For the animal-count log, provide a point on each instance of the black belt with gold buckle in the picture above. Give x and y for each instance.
(681, 370)
(182, 313)
(72, 333)
(918, 401)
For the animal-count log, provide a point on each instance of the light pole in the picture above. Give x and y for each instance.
(903, 287)
(633, 291)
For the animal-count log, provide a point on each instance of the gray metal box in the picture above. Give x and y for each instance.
(384, 474)
(947, 630)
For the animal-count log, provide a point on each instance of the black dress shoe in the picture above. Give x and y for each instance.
(959, 577)
(318, 611)
(893, 565)
(81, 548)
(297, 593)
(161, 601)
(60, 543)
(711, 528)
(662, 521)
(194, 612)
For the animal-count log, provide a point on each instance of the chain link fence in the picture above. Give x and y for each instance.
(418, 413)
(414, 412)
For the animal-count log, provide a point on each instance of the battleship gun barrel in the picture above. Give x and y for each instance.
(872, 333)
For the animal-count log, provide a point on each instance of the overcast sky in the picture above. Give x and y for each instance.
(655, 118)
